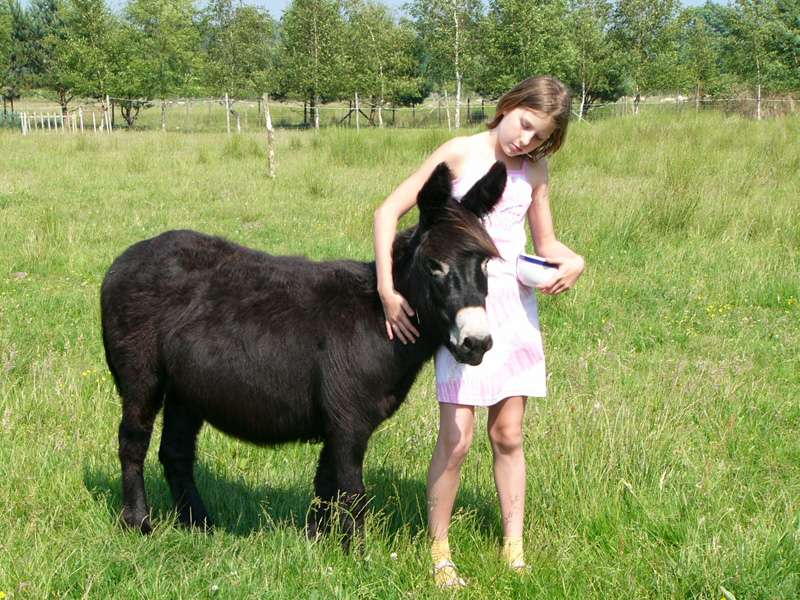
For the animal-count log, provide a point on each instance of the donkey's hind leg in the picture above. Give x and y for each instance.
(141, 400)
(177, 455)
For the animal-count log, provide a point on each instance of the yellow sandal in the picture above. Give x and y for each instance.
(446, 576)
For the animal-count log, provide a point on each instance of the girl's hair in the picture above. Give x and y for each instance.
(544, 94)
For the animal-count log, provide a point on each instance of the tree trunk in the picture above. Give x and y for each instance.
(583, 100)
(228, 113)
(457, 56)
(758, 89)
(316, 111)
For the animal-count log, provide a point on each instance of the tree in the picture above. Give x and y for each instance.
(786, 41)
(642, 30)
(379, 60)
(86, 53)
(699, 57)
(13, 62)
(596, 73)
(164, 49)
(48, 34)
(312, 51)
(448, 30)
(522, 38)
(754, 57)
(240, 46)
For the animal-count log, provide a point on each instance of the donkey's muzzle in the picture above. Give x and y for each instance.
(472, 350)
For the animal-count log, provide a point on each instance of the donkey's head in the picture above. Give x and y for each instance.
(441, 264)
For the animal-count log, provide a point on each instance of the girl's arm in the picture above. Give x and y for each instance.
(540, 220)
(398, 203)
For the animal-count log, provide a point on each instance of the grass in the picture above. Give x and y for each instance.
(665, 461)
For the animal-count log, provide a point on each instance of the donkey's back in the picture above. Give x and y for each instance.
(248, 341)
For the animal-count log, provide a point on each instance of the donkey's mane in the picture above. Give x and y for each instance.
(456, 232)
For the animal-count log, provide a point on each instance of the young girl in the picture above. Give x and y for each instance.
(530, 123)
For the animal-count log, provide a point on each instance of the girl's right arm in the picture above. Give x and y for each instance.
(399, 202)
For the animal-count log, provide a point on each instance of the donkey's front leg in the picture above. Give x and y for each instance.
(348, 454)
(325, 494)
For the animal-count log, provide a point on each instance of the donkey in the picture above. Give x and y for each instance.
(271, 349)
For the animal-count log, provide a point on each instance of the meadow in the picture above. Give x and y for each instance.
(664, 463)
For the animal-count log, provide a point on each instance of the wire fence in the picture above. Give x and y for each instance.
(219, 115)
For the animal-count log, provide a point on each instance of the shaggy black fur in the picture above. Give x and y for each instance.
(271, 348)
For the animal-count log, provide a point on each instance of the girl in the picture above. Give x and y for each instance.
(530, 123)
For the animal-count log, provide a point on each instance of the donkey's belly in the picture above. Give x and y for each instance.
(258, 403)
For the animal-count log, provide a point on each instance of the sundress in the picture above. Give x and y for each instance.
(514, 366)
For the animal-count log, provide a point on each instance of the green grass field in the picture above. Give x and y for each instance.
(664, 463)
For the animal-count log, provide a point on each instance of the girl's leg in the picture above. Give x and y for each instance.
(455, 436)
(505, 433)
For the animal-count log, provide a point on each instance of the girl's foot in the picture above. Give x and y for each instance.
(514, 555)
(446, 576)
(518, 566)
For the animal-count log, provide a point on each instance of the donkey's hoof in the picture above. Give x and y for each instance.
(137, 520)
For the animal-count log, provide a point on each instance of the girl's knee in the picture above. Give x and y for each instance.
(454, 445)
(506, 439)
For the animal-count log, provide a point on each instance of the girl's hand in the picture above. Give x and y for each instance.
(397, 312)
(569, 269)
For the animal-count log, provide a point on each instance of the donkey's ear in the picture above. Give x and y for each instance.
(434, 195)
(487, 191)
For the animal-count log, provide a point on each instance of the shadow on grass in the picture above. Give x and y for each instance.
(397, 504)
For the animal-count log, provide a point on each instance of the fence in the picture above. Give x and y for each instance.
(204, 115)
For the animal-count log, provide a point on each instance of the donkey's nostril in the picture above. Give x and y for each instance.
(475, 343)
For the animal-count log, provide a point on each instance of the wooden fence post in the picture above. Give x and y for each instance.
(358, 123)
(228, 113)
(270, 139)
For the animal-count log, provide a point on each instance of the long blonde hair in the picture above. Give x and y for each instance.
(544, 94)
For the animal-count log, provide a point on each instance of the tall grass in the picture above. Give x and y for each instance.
(665, 461)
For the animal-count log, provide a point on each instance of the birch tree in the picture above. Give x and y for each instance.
(240, 47)
(641, 27)
(448, 30)
(378, 56)
(698, 53)
(522, 38)
(758, 33)
(166, 48)
(596, 73)
(311, 55)
(88, 51)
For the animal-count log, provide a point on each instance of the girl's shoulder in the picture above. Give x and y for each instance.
(537, 172)
(455, 152)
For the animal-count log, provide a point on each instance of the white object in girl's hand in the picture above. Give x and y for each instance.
(533, 270)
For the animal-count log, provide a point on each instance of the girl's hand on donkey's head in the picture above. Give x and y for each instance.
(569, 270)
(398, 313)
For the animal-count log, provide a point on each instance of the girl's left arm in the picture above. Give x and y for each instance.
(540, 220)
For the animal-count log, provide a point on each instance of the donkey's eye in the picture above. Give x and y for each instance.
(437, 268)
(485, 266)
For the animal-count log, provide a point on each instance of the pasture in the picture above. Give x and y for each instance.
(665, 461)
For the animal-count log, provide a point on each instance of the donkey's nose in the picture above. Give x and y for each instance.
(478, 344)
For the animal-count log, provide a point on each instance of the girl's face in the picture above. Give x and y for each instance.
(523, 129)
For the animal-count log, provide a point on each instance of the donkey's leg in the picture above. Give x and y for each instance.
(141, 399)
(177, 454)
(325, 492)
(348, 453)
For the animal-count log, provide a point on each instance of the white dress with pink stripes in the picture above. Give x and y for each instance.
(515, 364)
